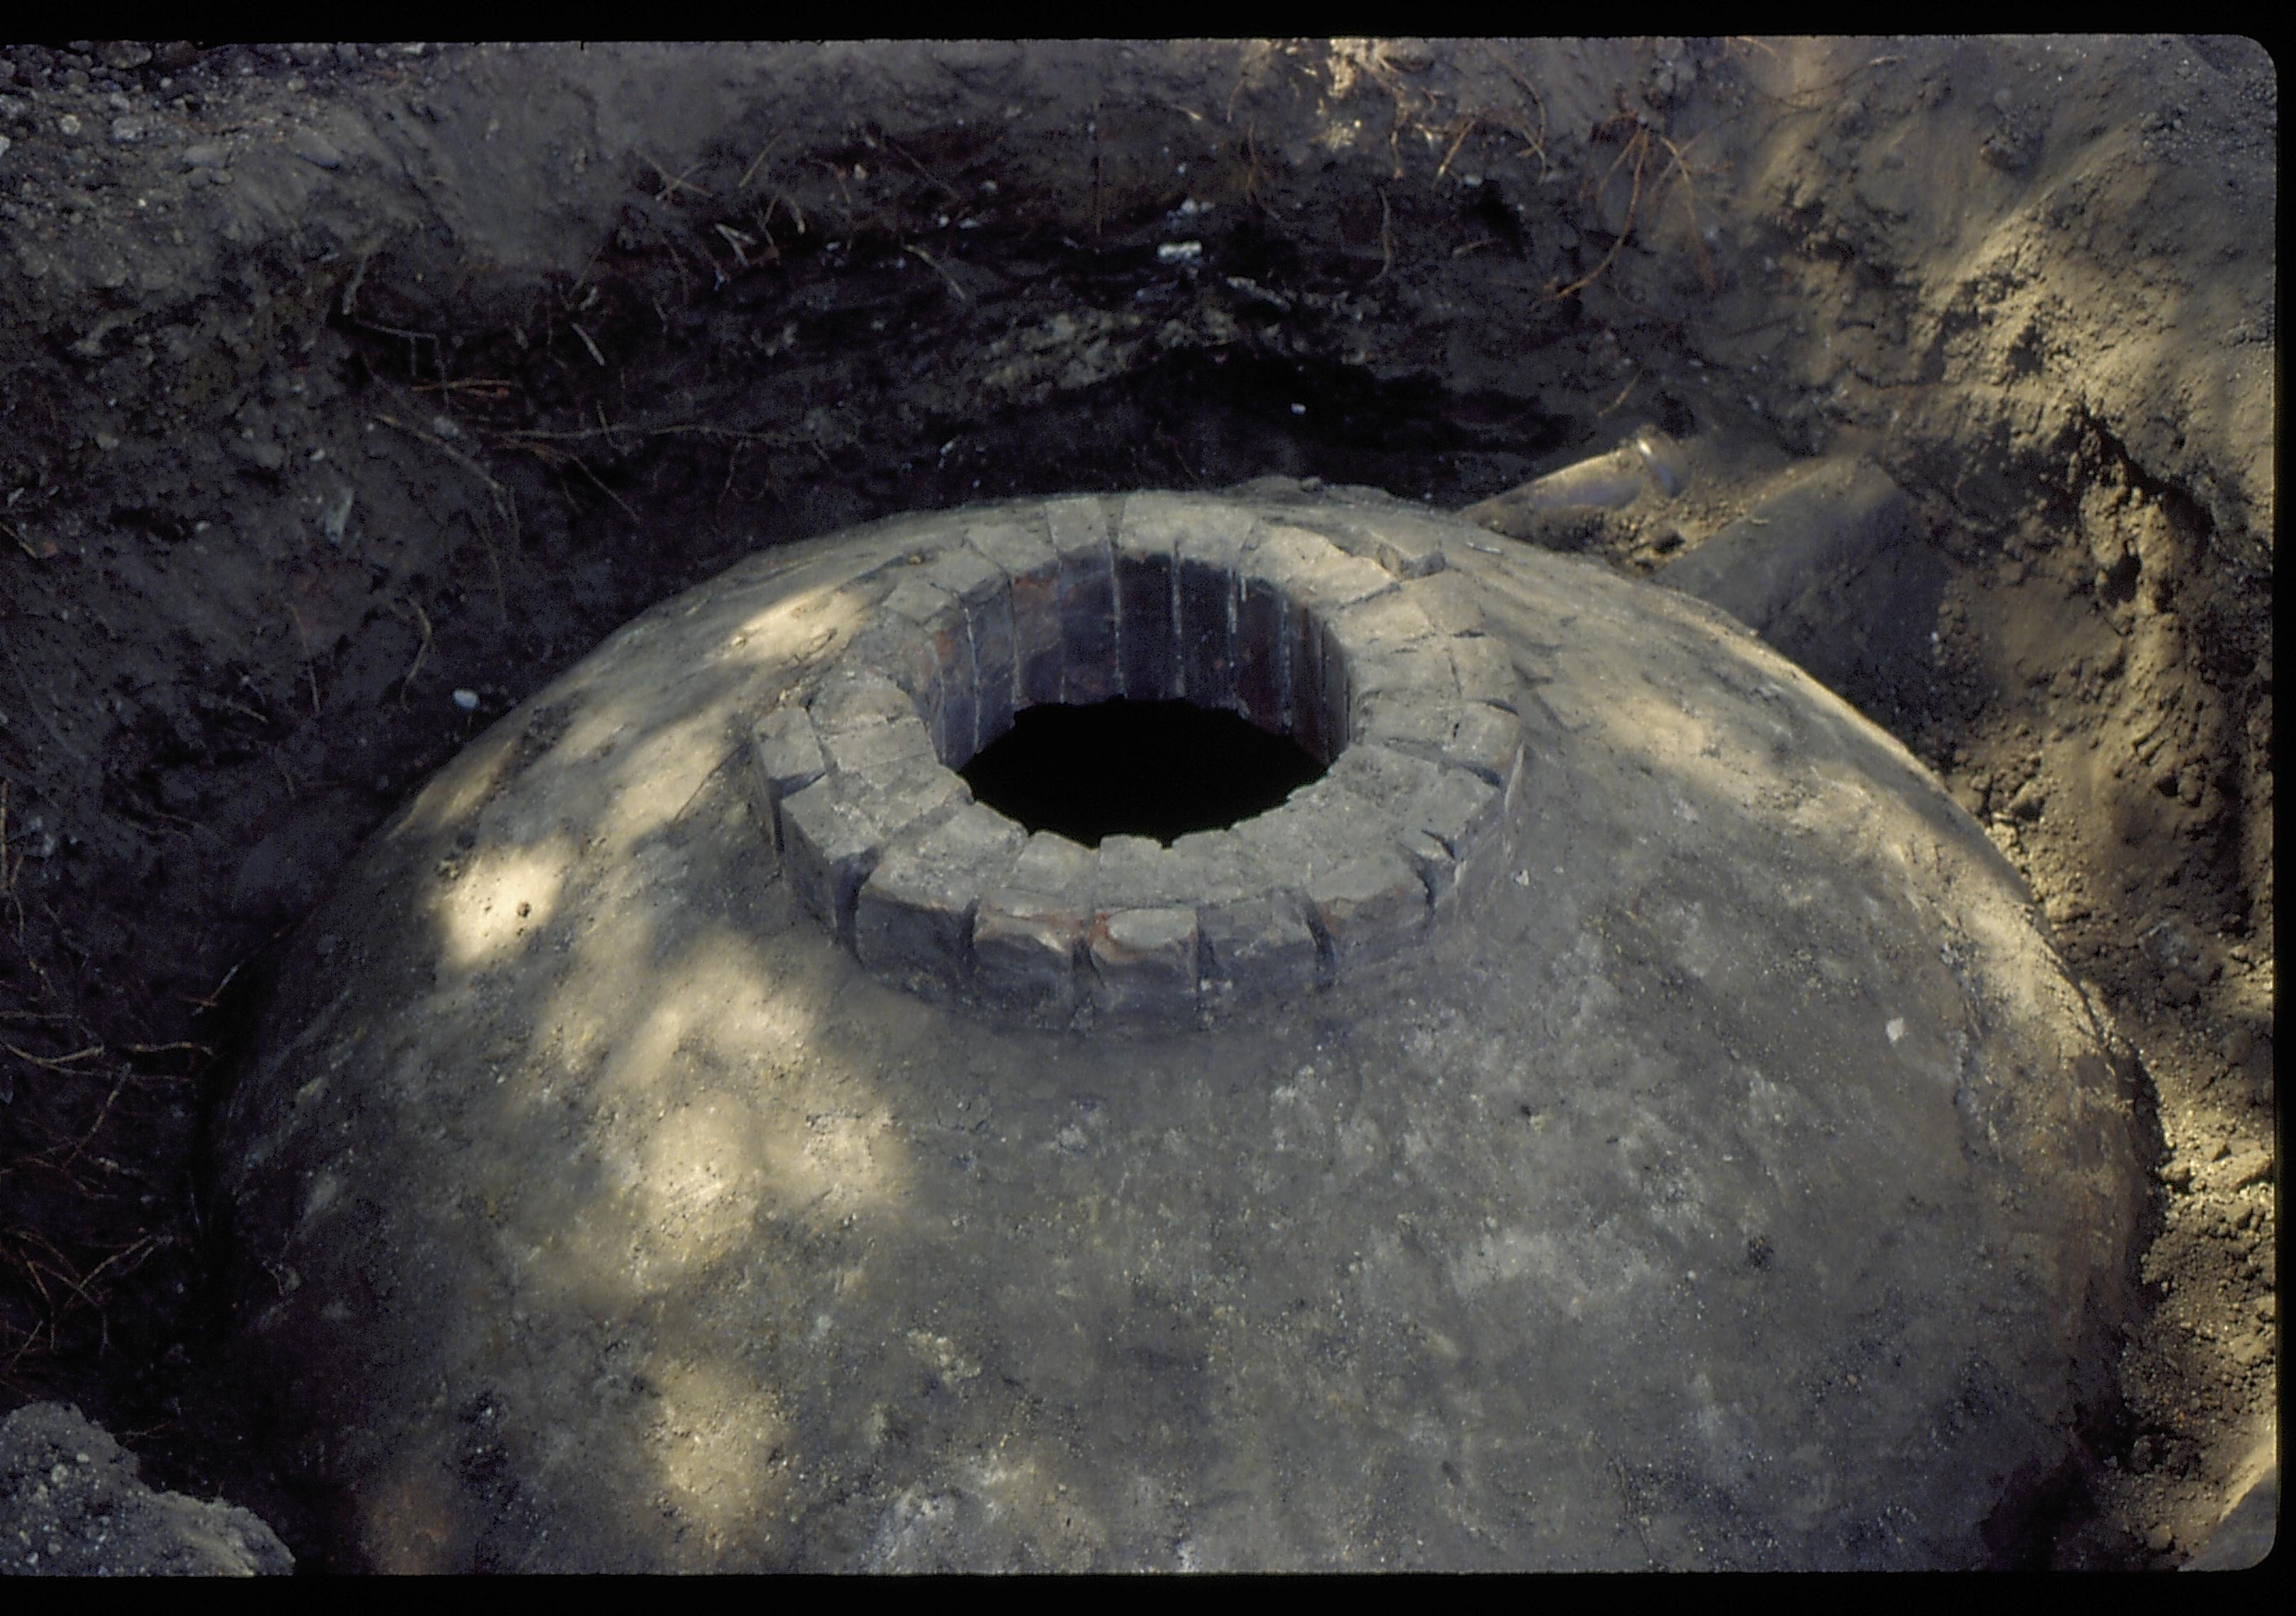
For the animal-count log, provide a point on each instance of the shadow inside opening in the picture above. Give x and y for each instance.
(1136, 768)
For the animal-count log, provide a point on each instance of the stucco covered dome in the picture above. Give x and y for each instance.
(1623, 1112)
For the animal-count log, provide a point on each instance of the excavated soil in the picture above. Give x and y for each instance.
(348, 393)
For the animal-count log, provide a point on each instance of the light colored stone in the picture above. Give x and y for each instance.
(1367, 909)
(1144, 964)
(1258, 948)
(1028, 946)
(913, 916)
(830, 848)
(785, 757)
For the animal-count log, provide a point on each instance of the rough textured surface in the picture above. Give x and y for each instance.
(1743, 1182)
(71, 1506)
(2250, 1527)
(882, 840)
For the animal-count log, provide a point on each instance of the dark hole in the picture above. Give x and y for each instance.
(1136, 768)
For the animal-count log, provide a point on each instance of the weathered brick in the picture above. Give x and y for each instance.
(1452, 602)
(1335, 581)
(1368, 909)
(915, 599)
(1207, 638)
(915, 914)
(1424, 669)
(1485, 672)
(1209, 552)
(1027, 947)
(1384, 777)
(1135, 871)
(1487, 742)
(947, 700)
(952, 709)
(904, 652)
(1315, 682)
(853, 699)
(1078, 529)
(1146, 642)
(1408, 722)
(1399, 543)
(1078, 525)
(1384, 622)
(1316, 830)
(1144, 964)
(995, 666)
(1257, 948)
(1224, 866)
(832, 849)
(784, 759)
(967, 574)
(981, 589)
(1032, 569)
(1260, 667)
(1016, 546)
(1053, 865)
(875, 751)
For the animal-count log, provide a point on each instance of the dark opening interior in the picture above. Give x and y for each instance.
(1136, 768)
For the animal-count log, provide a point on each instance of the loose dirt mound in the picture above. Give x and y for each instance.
(348, 393)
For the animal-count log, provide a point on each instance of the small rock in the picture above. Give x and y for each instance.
(206, 154)
(2064, 909)
(68, 126)
(2248, 1167)
(123, 54)
(127, 131)
(2162, 1539)
(467, 700)
(260, 452)
(2238, 1044)
(315, 149)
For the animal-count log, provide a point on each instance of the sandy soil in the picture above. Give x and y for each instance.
(348, 393)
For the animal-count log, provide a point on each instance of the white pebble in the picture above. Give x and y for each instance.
(467, 700)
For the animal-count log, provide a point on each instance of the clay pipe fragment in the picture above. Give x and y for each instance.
(1648, 461)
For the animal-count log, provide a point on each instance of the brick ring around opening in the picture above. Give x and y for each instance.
(1345, 634)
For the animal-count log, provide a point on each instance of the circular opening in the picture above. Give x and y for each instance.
(1136, 768)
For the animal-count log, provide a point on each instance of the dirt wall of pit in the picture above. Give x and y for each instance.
(346, 395)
